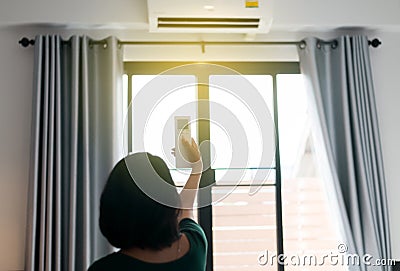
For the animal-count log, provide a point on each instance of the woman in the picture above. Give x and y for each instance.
(151, 235)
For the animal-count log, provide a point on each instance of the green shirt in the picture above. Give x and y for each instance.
(193, 260)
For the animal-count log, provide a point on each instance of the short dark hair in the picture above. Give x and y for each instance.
(128, 216)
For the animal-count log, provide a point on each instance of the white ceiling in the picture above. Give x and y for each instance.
(289, 15)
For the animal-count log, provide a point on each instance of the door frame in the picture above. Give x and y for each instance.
(208, 177)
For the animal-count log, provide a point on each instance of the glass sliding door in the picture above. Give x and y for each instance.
(251, 204)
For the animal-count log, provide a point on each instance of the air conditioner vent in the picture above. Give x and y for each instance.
(210, 16)
(178, 22)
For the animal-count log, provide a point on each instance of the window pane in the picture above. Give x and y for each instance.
(308, 221)
(156, 101)
(241, 128)
(125, 112)
(243, 227)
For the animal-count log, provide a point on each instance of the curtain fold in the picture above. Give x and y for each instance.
(341, 89)
(76, 140)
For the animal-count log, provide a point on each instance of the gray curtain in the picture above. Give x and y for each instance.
(75, 143)
(341, 87)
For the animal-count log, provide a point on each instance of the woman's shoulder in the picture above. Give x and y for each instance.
(194, 233)
(197, 254)
(112, 261)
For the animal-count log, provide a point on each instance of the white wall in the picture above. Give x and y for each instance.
(15, 120)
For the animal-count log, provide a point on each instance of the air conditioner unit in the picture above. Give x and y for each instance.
(210, 16)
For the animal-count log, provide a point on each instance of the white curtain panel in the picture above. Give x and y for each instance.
(340, 85)
(76, 140)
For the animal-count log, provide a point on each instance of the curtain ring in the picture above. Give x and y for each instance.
(302, 44)
(334, 44)
(105, 45)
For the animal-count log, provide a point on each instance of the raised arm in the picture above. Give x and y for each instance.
(191, 153)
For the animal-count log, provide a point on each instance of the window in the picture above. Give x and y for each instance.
(288, 211)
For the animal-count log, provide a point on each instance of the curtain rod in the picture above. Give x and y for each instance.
(203, 44)
(25, 42)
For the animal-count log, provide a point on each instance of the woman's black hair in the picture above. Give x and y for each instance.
(128, 216)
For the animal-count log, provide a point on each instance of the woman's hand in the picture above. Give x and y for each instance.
(190, 150)
(191, 153)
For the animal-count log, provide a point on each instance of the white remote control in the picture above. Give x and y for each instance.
(182, 129)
